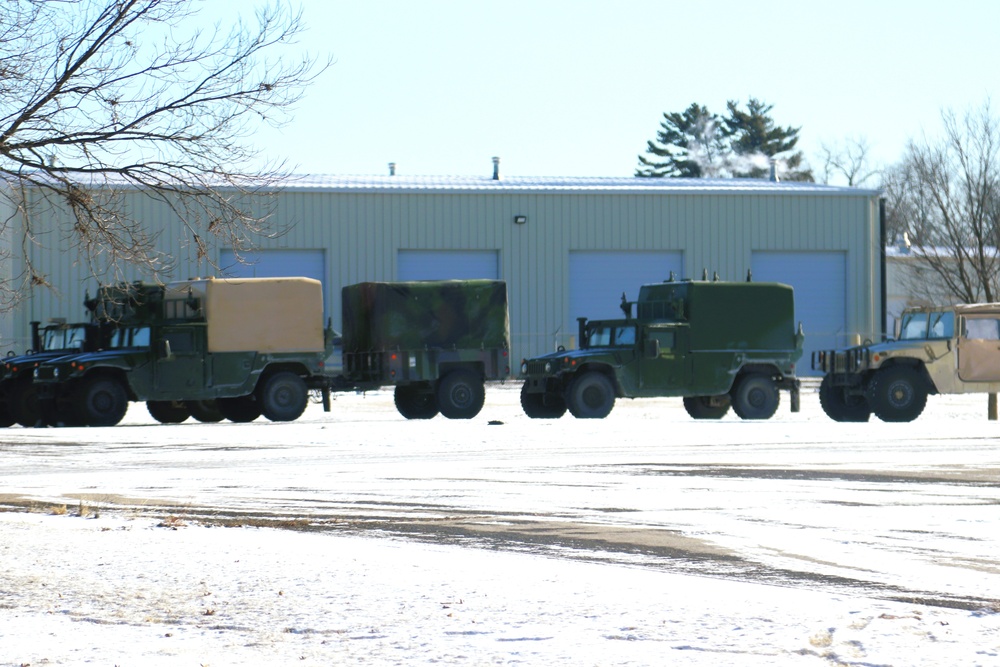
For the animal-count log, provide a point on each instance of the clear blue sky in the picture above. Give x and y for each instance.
(577, 87)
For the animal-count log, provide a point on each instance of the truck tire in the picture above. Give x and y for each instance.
(101, 401)
(283, 397)
(49, 411)
(6, 419)
(840, 407)
(239, 410)
(591, 396)
(206, 412)
(24, 406)
(168, 412)
(542, 405)
(897, 394)
(460, 395)
(755, 397)
(707, 407)
(415, 404)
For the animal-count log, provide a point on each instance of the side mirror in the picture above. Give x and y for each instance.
(652, 348)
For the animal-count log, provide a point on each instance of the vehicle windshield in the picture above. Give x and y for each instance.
(923, 325)
(63, 338)
(130, 337)
(611, 336)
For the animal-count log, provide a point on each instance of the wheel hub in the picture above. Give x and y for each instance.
(900, 395)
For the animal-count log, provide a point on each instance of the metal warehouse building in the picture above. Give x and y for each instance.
(567, 247)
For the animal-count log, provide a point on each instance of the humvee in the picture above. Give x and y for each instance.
(206, 348)
(938, 350)
(716, 344)
(18, 395)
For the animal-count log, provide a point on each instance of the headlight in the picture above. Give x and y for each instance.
(524, 367)
(548, 366)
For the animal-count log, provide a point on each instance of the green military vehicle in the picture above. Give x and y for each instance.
(716, 344)
(206, 348)
(18, 395)
(437, 342)
(938, 350)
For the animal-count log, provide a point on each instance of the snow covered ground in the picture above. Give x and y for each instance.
(795, 541)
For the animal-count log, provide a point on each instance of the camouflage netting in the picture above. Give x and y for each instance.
(450, 314)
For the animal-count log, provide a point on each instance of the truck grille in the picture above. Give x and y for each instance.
(536, 368)
(840, 361)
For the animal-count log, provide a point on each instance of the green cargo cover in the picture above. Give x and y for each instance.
(446, 314)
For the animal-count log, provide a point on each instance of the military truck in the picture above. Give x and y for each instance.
(436, 342)
(716, 344)
(206, 348)
(18, 395)
(938, 350)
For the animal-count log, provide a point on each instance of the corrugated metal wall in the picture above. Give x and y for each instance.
(362, 233)
(8, 228)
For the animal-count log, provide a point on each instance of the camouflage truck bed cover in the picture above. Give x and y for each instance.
(449, 314)
(437, 342)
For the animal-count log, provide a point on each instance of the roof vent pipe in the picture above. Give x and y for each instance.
(774, 169)
(392, 168)
(496, 169)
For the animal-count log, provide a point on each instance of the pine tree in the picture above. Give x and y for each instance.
(755, 140)
(699, 144)
(689, 144)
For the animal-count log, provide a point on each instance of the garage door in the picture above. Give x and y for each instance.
(448, 265)
(820, 283)
(597, 279)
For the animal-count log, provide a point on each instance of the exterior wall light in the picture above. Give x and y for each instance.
(520, 219)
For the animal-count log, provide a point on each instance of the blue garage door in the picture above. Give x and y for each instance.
(448, 265)
(597, 279)
(820, 283)
(275, 264)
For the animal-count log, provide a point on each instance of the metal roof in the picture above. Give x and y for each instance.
(563, 184)
(513, 184)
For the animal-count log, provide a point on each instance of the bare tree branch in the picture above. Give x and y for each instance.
(101, 96)
(946, 195)
(850, 161)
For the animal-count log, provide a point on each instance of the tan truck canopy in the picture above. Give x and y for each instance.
(259, 314)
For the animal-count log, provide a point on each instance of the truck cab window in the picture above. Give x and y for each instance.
(131, 337)
(913, 327)
(180, 341)
(942, 325)
(982, 328)
(667, 339)
(625, 336)
(599, 337)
